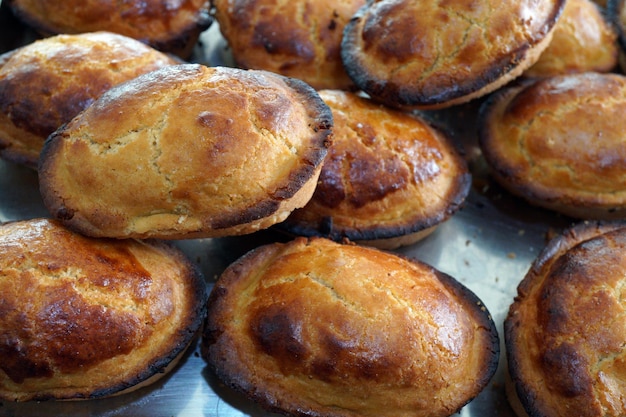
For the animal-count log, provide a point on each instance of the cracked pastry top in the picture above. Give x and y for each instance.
(559, 143)
(43, 85)
(584, 40)
(564, 333)
(84, 318)
(296, 38)
(165, 25)
(187, 151)
(390, 177)
(422, 54)
(318, 328)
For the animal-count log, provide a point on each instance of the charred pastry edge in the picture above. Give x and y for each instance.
(392, 236)
(322, 127)
(495, 76)
(325, 228)
(470, 302)
(481, 315)
(293, 187)
(180, 43)
(518, 395)
(536, 194)
(188, 332)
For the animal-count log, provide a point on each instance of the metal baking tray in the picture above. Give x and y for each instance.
(488, 246)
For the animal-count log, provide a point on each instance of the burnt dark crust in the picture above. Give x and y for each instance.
(326, 227)
(398, 95)
(556, 360)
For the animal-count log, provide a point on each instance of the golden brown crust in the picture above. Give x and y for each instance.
(421, 54)
(188, 151)
(559, 143)
(317, 328)
(564, 333)
(388, 176)
(87, 318)
(299, 39)
(167, 26)
(583, 40)
(45, 84)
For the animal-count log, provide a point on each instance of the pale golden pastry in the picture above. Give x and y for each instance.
(187, 151)
(43, 85)
(171, 26)
(83, 318)
(317, 328)
(565, 332)
(390, 177)
(296, 38)
(584, 40)
(559, 143)
(422, 54)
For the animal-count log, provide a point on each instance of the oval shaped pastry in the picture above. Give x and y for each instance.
(421, 54)
(584, 40)
(85, 318)
(165, 25)
(558, 143)
(565, 334)
(187, 151)
(298, 39)
(389, 180)
(43, 85)
(317, 328)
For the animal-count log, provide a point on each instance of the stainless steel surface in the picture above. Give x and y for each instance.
(488, 246)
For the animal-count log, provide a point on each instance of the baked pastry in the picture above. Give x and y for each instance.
(564, 333)
(43, 85)
(584, 40)
(86, 318)
(420, 54)
(558, 143)
(318, 328)
(299, 39)
(187, 151)
(390, 177)
(167, 26)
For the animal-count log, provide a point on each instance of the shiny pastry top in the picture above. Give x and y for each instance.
(565, 333)
(187, 151)
(559, 143)
(389, 179)
(86, 318)
(165, 25)
(423, 54)
(43, 85)
(314, 327)
(297, 38)
(584, 40)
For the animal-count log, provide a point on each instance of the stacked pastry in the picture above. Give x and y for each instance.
(46, 83)
(138, 144)
(391, 178)
(141, 146)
